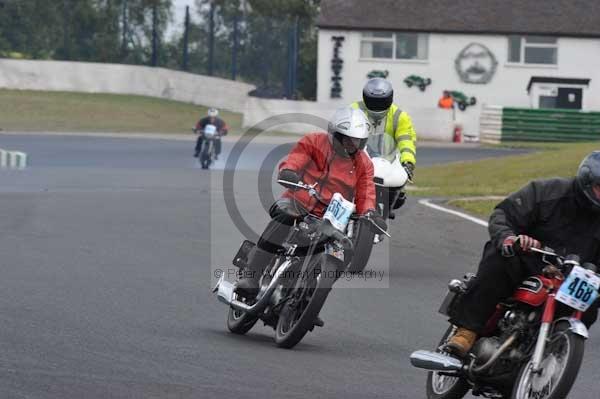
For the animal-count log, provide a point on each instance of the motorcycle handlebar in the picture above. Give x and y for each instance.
(572, 259)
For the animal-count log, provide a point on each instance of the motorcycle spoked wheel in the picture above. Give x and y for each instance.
(299, 313)
(443, 386)
(560, 365)
(239, 322)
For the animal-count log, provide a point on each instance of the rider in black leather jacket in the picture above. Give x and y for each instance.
(563, 214)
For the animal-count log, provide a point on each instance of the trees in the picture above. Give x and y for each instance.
(83, 30)
(273, 42)
(265, 30)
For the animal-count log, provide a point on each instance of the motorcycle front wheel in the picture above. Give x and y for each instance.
(298, 315)
(560, 365)
(443, 386)
(239, 322)
(363, 245)
(205, 157)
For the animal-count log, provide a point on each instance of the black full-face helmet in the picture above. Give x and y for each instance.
(588, 178)
(378, 96)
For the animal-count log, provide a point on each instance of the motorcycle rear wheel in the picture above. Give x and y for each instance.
(446, 387)
(298, 317)
(561, 362)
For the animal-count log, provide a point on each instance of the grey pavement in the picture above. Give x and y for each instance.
(107, 259)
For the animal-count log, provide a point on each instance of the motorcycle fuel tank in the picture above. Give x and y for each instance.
(533, 291)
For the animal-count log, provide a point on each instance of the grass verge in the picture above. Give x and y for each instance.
(499, 176)
(25, 110)
(480, 208)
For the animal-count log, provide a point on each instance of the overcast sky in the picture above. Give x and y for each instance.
(179, 15)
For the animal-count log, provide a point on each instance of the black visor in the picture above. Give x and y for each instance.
(378, 103)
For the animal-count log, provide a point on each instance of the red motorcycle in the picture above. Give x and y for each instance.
(532, 346)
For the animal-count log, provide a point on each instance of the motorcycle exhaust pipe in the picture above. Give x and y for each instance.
(224, 290)
(226, 293)
(503, 348)
(435, 361)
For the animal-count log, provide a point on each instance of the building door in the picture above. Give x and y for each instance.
(569, 98)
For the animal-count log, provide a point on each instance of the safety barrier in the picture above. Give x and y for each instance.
(87, 77)
(490, 130)
(12, 159)
(522, 124)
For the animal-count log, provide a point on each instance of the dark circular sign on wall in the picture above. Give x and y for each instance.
(476, 64)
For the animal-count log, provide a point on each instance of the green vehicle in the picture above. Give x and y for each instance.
(462, 100)
(416, 80)
(378, 74)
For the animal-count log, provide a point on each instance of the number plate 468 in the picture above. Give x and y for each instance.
(580, 289)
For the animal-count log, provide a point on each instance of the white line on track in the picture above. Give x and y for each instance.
(480, 222)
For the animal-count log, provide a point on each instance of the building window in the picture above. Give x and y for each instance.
(401, 46)
(533, 50)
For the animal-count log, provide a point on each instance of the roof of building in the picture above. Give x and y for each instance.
(548, 17)
(557, 80)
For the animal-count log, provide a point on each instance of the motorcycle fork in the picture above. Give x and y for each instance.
(540, 345)
(305, 264)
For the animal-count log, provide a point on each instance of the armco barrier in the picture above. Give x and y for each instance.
(549, 125)
(522, 124)
(490, 129)
(12, 159)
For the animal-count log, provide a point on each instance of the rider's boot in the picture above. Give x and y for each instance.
(461, 343)
(248, 284)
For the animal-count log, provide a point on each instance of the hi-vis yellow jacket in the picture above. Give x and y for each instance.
(398, 125)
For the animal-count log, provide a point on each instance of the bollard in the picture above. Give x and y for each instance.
(457, 134)
(13, 159)
(18, 160)
(3, 158)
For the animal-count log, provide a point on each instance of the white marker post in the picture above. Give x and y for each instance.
(18, 160)
(3, 158)
(13, 159)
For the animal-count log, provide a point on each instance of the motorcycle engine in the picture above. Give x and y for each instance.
(485, 348)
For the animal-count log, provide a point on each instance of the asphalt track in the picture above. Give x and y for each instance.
(108, 248)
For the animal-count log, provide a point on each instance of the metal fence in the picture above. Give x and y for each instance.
(278, 55)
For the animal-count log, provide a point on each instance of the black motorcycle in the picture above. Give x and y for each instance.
(208, 154)
(389, 178)
(296, 283)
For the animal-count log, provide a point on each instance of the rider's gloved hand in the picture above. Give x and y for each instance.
(377, 219)
(522, 241)
(289, 175)
(409, 167)
(526, 242)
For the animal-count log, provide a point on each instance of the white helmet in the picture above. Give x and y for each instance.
(213, 112)
(349, 123)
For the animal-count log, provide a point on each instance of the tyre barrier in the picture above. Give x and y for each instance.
(12, 159)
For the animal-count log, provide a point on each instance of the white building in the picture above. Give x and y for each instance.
(519, 53)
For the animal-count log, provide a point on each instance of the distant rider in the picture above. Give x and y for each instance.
(212, 118)
(393, 129)
(336, 162)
